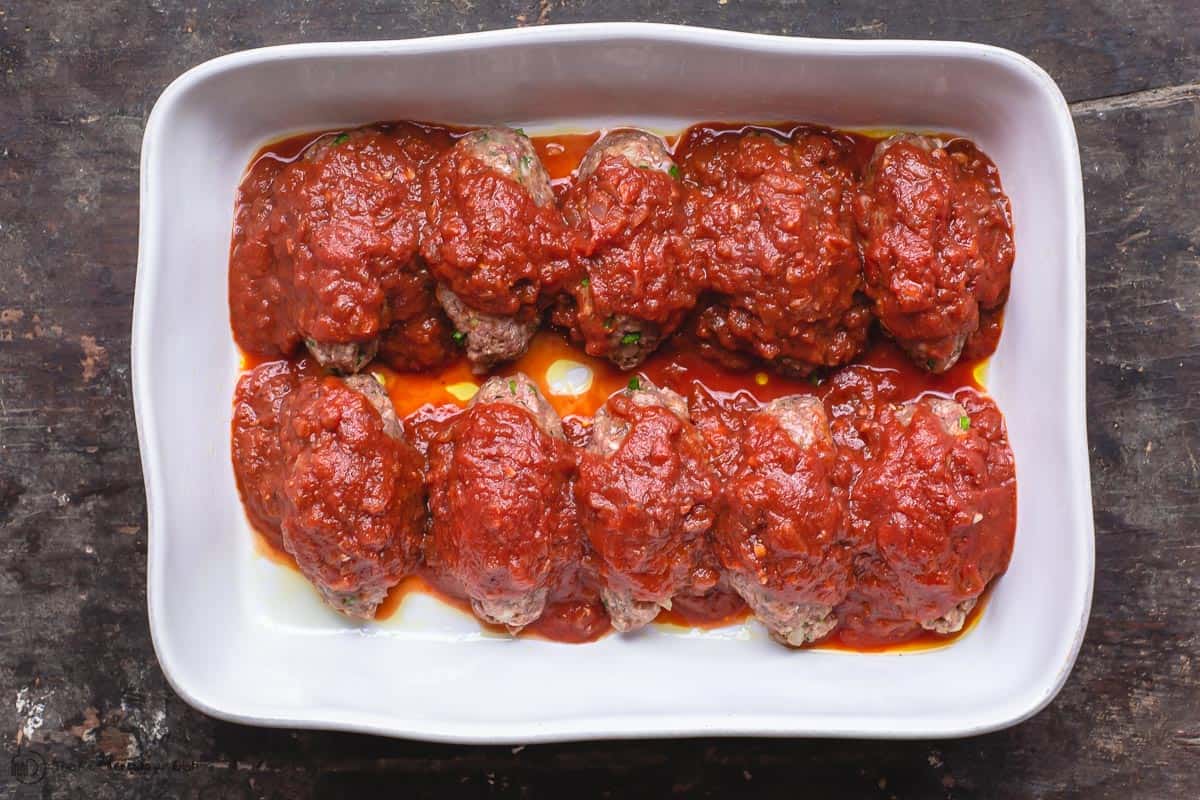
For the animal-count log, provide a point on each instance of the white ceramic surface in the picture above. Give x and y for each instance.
(243, 639)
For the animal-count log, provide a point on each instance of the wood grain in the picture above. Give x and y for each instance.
(79, 684)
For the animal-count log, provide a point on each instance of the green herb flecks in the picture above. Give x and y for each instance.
(634, 384)
(633, 337)
(585, 283)
(341, 138)
(512, 387)
(674, 172)
(964, 423)
(459, 337)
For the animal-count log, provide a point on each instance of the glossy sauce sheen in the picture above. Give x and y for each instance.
(428, 400)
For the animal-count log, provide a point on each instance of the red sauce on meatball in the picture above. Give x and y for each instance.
(780, 528)
(773, 217)
(932, 507)
(324, 243)
(354, 500)
(646, 497)
(502, 525)
(487, 239)
(258, 461)
(937, 243)
(260, 289)
(639, 274)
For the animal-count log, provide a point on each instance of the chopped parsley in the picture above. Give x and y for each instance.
(459, 337)
(522, 132)
(526, 161)
(633, 337)
(512, 387)
(586, 282)
(674, 171)
(341, 138)
(964, 423)
(634, 384)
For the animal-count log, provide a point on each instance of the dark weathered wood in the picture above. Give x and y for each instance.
(79, 684)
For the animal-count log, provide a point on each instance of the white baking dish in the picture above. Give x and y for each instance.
(245, 640)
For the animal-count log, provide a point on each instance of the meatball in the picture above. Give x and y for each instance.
(344, 230)
(260, 285)
(780, 532)
(640, 277)
(354, 512)
(493, 238)
(936, 501)
(322, 245)
(646, 498)
(502, 521)
(937, 243)
(774, 220)
(258, 463)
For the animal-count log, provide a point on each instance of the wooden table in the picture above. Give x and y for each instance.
(79, 685)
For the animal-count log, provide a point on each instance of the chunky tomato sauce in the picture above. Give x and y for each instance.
(829, 351)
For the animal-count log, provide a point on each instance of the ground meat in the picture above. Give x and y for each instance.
(935, 506)
(639, 277)
(773, 219)
(493, 237)
(373, 390)
(780, 532)
(490, 339)
(645, 494)
(258, 463)
(503, 527)
(937, 243)
(354, 512)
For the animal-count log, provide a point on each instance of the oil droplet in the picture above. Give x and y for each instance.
(980, 373)
(567, 378)
(463, 391)
(761, 378)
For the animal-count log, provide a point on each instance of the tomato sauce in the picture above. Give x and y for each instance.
(577, 384)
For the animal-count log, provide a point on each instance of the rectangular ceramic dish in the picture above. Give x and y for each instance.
(243, 639)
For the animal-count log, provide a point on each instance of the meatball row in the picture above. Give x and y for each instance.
(875, 515)
(406, 244)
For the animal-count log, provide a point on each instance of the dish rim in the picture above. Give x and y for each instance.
(626, 725)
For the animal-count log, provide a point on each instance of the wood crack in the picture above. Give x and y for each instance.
(1148, 98)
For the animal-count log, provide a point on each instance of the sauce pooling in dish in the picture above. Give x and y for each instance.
(720, 428)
